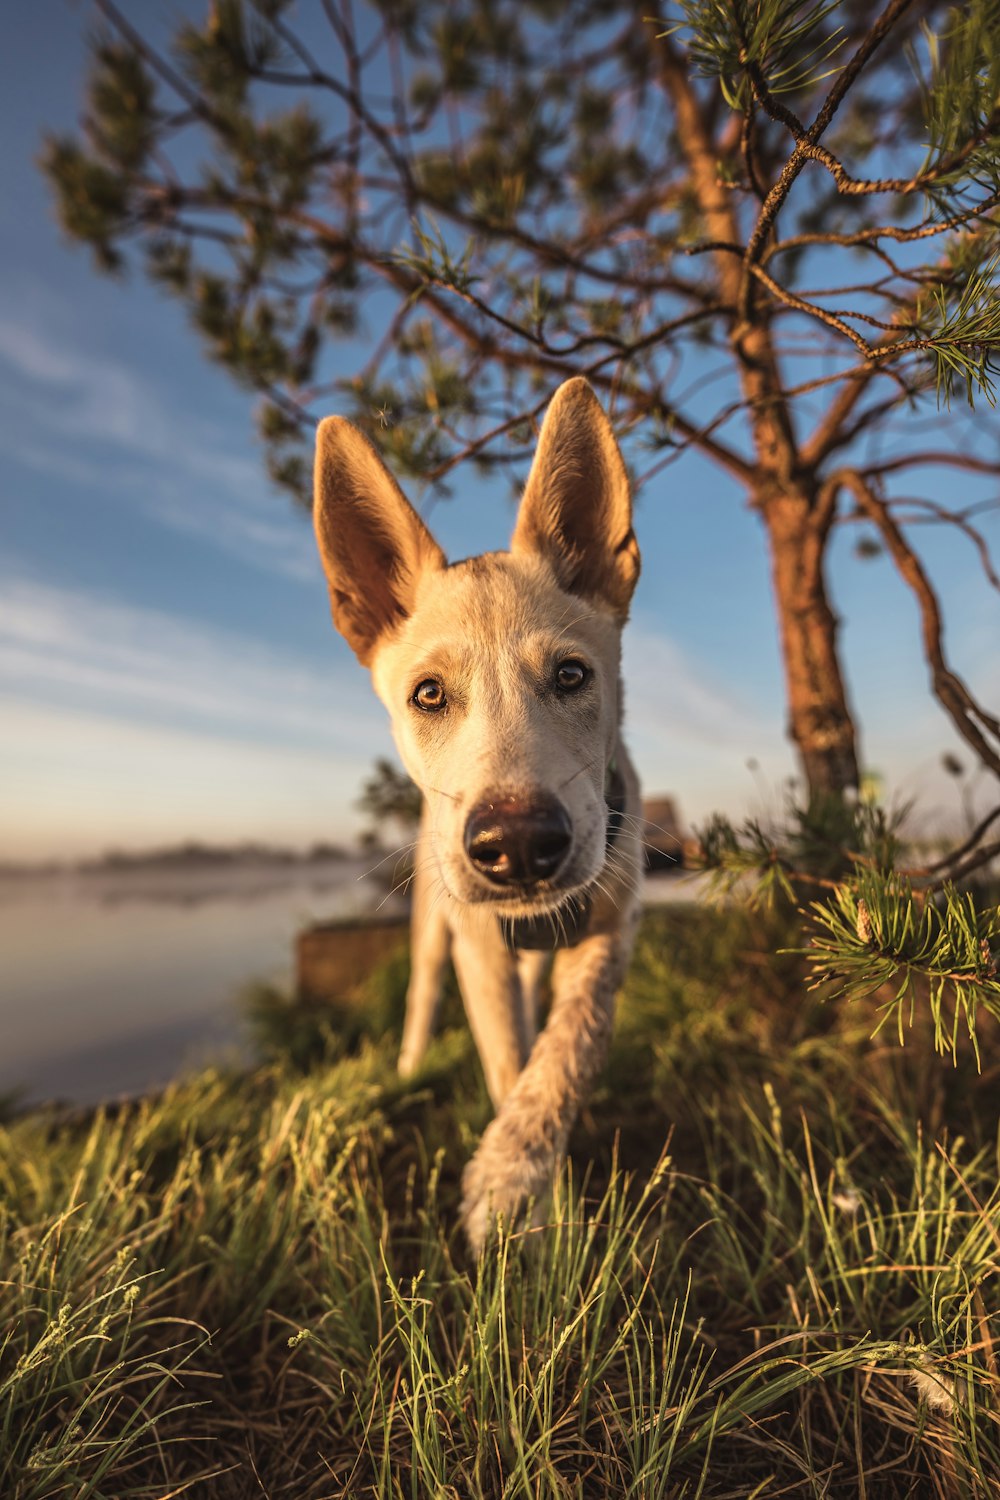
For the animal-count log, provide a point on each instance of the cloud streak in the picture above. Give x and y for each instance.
(74, 782)
(671, 696)
(181, 470)
(69, 646)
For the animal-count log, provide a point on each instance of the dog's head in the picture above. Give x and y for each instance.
(500, 673)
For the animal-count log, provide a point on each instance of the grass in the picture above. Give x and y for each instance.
(770, 1269)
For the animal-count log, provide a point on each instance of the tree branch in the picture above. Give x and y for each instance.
(958, 854)
(958, 519)
(973, 723)
(795, 163)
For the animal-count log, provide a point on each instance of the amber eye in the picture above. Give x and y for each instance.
(429, 695)
(571, 675)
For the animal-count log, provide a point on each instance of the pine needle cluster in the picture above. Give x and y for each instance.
(875, 924)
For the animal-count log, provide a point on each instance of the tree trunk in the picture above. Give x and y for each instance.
(820, 723)
(797, 515)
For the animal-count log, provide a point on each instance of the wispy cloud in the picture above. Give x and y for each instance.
(129, 722)
(695, 735)
(186, 472)
(670, 695)
(74, 782)
(71, 646)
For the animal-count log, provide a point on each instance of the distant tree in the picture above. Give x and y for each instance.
(389, 796)
(483, 197)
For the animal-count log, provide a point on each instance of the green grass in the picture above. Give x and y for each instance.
(771, 1268)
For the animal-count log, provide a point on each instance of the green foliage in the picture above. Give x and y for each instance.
(221, 57)
(820, 840)
(92, 199)
(962, 98)
(389, 795)
(122, 105)
(92, 181)
(786, 40)
(432, 260)
(876, 934)
(874, 930)
(528, 147)
(769, 1266)
(961, 322)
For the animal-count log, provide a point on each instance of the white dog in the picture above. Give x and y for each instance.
(501, 677)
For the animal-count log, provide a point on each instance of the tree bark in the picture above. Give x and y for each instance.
(797, 512)
(820, 723)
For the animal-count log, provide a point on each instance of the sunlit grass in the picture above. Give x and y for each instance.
(770, 1266)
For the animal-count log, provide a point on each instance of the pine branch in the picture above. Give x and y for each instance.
(870, 928)
(873, 935)
(811, 137)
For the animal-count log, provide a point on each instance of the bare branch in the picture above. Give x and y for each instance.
(868, 237)
(795, 163)
(941, 456)
(977, 727)
(859, 186)
(953, 855)
(975, 861)
(941, 513)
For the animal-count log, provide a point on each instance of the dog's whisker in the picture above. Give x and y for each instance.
(636, 824)
(590, 766)
(452, 796)
(598, 884)
(399, 853)
(655, 848)
(626, 875)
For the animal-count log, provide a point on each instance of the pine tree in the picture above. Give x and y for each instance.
(479, 198)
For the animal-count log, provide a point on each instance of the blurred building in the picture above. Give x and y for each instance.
(664, 841)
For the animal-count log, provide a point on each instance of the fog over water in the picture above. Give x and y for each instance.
(114, 983)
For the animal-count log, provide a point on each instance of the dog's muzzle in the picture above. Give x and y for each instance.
(518, 842)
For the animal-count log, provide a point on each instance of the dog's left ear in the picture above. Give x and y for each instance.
(374, 546)
(576, 510)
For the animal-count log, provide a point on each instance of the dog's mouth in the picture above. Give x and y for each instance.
(555, 900)
(529, 901)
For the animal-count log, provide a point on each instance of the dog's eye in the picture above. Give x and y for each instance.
(429, 695)
(571, 675)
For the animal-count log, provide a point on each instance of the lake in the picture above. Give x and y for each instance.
(114, 983)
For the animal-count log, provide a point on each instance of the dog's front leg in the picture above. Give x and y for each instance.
(521, 1148)
(491, 989)
(430, 941)
(531, 970)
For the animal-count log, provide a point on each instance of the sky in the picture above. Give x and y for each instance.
(168, 669)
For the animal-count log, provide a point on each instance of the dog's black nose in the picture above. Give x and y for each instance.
(518, 842)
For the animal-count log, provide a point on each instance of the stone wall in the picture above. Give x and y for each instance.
(333, 958)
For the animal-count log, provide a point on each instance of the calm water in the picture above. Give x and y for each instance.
(111, 986)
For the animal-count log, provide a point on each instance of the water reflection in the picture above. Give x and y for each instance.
(113, 983)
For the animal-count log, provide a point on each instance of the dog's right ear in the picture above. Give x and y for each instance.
(576, 511)
(373, 544)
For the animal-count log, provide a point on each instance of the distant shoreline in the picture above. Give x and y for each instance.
(179, 877)
(191, 856)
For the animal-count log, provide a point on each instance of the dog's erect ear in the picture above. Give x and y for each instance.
(576, 510)
(373, 544)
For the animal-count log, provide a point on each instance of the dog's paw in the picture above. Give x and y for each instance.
(407, 1063)
(503, 1179)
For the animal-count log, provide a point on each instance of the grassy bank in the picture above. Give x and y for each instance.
(772, 1267)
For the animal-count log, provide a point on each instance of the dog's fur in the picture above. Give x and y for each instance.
(492, 632)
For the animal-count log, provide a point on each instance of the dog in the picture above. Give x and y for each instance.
(501, 675)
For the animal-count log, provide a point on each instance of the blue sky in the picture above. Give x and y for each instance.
(167, 666)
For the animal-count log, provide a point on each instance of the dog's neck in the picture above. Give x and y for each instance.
(545, 932)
